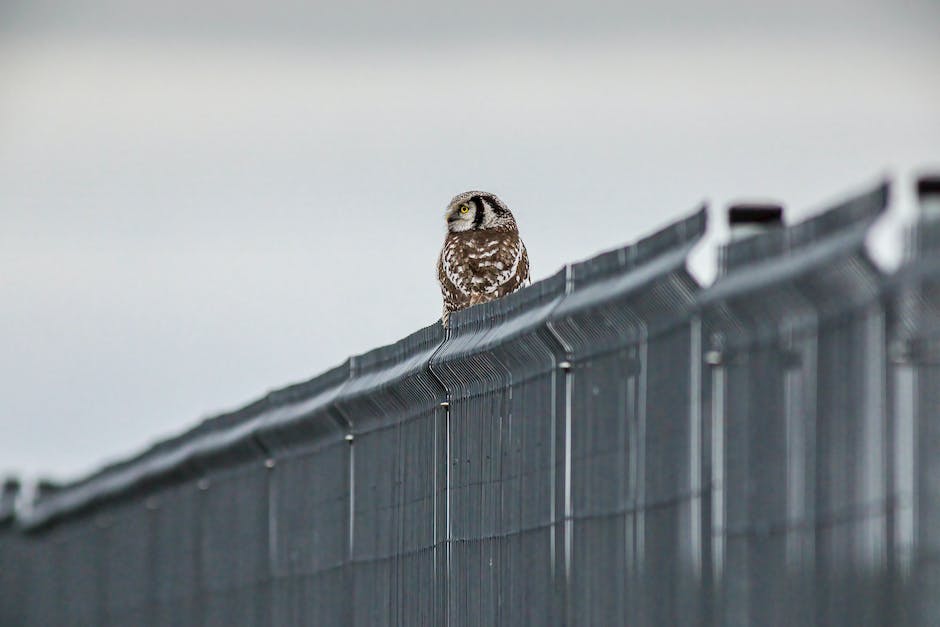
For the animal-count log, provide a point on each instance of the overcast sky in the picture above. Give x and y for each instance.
(201, 203)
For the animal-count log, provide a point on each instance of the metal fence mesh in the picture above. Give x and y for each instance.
(613, 445)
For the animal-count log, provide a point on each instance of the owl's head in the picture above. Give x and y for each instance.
(477, 211)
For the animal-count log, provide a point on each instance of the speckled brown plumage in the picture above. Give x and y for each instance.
(483, 257)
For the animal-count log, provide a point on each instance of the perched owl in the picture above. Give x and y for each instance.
(483, 258)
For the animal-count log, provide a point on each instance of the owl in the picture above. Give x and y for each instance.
(483, 258)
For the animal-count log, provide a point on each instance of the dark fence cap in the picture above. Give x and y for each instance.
(45, 487)
(764, 214)
(928, 185)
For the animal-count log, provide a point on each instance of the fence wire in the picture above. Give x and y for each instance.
(611, 446)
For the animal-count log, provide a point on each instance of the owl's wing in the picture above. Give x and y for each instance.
(454, 275)
(511, 265)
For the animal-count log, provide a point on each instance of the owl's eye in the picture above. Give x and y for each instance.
(464, 209)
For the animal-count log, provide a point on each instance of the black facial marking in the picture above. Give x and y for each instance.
(494, 204)
(478, 217)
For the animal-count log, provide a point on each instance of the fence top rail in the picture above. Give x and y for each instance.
(612, 276)
(384, 375)
(848, 217)
(619, 273)
(783, 256)
(313, 409)
(499, 323)
(311, 413)
(676, 237)
(636, 291)
(228, 436)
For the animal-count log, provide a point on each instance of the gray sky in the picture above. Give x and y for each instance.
(198, 204)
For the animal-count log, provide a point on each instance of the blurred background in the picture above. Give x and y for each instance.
(203, 201)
